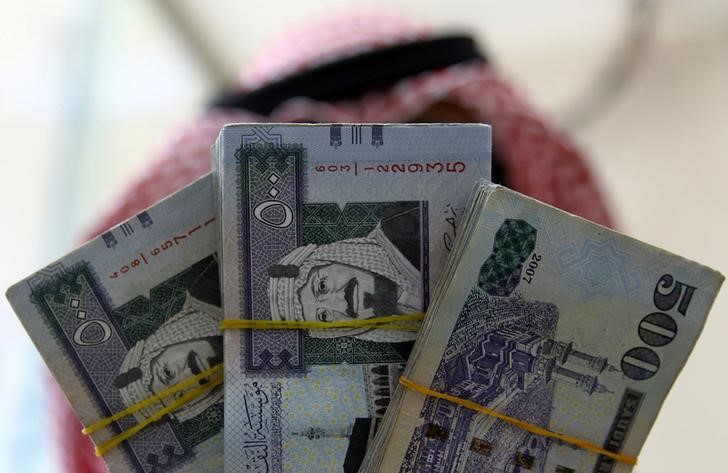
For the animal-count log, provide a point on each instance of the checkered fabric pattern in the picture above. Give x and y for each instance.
(364, 253)
(189, 324)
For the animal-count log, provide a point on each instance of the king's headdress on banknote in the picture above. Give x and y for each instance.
(356, 278)
(183, 346)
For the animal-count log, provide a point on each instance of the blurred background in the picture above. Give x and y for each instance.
(90, 89)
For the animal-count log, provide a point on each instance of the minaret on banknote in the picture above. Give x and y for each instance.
(552, 320)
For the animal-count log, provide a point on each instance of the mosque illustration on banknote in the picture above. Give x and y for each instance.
(502, 353)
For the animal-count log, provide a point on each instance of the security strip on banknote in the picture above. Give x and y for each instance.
(130, 314)
(550, 319)
(326, 223)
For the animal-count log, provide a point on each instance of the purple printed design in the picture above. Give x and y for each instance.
(503, 354)
(512, 365)
(478, 368)
(323, 236)
(76, 309)
(271, 195)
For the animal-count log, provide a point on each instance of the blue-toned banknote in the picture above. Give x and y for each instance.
(553, 320)
(325, 223)
(129, 314)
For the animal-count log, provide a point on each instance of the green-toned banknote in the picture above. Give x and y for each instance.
(325, 223)
(130, 314)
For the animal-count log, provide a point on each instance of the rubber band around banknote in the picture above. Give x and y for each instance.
(535, 429)
(103, 448)
(152, 399)
(389, 322)
(213, 372)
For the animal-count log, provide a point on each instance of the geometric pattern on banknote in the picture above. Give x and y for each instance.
(333, 351)
(550, 229)
(72, 300)
(501, 272)
(327, 223)
(599, 268)
(142, 315)
(48, 273)
(166, 459)
(267, 170)
(201, 427)
(259, 134)
(481, 368)
(262, 136)
(501, 208)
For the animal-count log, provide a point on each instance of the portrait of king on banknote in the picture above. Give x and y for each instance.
(375, 270)
(130, 314)
(185, 345)
(312, 234)
(357, 278)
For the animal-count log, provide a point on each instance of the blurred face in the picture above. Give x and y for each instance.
(184, 360)
(340, 292)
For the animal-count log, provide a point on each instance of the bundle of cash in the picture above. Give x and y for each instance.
(325, 223)
(533, 315)
(551, 320)
(130, 314)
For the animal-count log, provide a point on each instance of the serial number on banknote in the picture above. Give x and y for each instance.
(166, 245)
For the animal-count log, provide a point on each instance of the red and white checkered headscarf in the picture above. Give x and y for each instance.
(538, 160)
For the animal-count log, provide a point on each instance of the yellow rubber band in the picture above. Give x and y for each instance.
(114, 441)
(387, 322)
(409, 384)
(390, 322)
(152, 399)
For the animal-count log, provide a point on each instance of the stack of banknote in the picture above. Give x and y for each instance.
(534, 313)
(551, 320)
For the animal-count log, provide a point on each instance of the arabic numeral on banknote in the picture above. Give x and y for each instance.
(657, 329)
(325, 237)
(531, 269)
(92, 333)
(679, 292)
(531, 339)
(117, 328)
(262, 213)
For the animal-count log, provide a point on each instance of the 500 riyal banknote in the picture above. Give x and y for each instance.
(130, 314)
(324, 223)
(552, 320)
